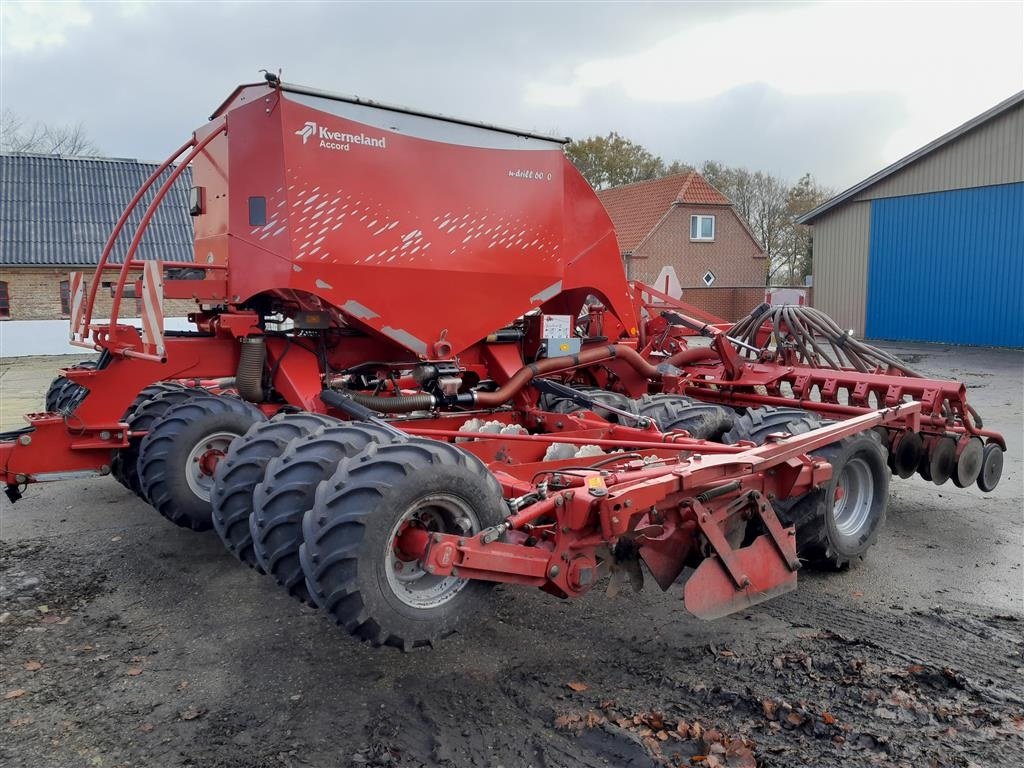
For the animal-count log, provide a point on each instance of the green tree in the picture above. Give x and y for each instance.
(612, 160)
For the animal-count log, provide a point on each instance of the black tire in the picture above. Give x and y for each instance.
(288, 490)
(241, 470)
(69, 397)
(56, 392)
(557, 404)
(149, 406)
(61, 386)
(832, 534)
(349, 537)
(758, 423)
(171, 481)
(704, 421)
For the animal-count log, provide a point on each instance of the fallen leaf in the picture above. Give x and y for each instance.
(17, 693)
(146, 727)
(183, 685)
(828, 718)
(191, 713)
(606, 704)
(579, 687)
(795, 718)
(857, 593)
(662, 736)
(567, 721)
(696, 730)
(656, 720)
(43, 609)
(769, 708)
(726, 653)
(33, 666)
(683, 729)
(18, 722)
(699, 759)
(134, 671)
(915, 669)
(51, 619)
(116, 538)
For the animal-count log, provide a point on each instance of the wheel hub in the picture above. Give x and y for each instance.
(854, 496)
(410, 583)
(202, 462)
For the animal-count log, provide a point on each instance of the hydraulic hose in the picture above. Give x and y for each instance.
(249, 378)
(526, 374)
(398, 404)
(696, 355)
(522, 377)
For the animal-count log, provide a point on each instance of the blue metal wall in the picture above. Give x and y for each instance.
(948, 267)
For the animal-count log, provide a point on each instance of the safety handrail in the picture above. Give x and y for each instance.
(119, 226)
(129, 260)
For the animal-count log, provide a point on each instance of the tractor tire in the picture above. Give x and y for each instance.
(704, 421)
(354, 570)
(56, 392)
(288, 489)
(61, 385)
(758, 423)
(241, 470)
(149, 405)
(838, 523)
(178, 455)
(755, 426)
(557, 404)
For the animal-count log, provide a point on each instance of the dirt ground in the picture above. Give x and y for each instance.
(125, 641)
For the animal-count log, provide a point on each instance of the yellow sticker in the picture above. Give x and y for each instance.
(596, 482)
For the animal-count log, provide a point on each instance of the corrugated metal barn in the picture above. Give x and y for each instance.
(932, 247)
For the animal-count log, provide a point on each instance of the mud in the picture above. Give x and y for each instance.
(125, 641)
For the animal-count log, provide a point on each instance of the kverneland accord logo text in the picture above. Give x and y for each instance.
(338, 140)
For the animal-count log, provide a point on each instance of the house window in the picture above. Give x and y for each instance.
(709, 278)
(65, 297)
(702, 227)
(5, 300)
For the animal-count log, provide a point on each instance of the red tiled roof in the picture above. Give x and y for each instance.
(635, 209)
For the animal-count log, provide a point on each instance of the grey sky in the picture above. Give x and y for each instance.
(835, 89)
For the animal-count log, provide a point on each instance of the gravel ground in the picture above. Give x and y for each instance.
(128, 642)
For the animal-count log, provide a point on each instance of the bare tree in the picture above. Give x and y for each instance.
(18, 136)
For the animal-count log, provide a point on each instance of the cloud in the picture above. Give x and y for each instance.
(931, 66)
(40, 25)
(834, 89)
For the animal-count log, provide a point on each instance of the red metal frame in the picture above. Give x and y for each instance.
(404, 279)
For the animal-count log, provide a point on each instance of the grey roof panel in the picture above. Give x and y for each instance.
(927, 149)
(59, 211)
